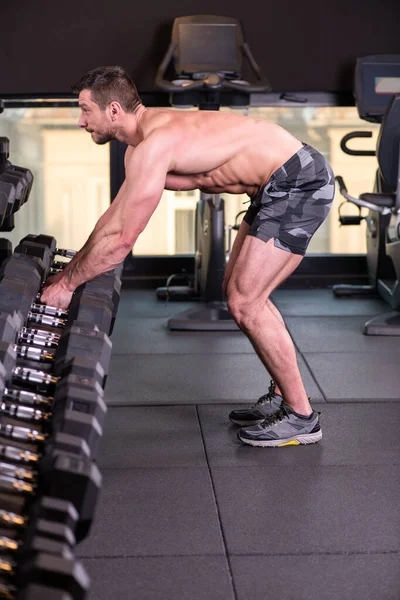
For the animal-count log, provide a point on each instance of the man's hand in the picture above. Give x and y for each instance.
(55, 293)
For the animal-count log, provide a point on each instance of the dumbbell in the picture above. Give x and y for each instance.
(50, 509)
(7, 199)
(66, 419)
(40, 550)
(18, 180)
(79, 425)
(25, 175)
(45, 571)
(37, 337)
(72, 419)
(56, 473)
(44, 577)
(41, 354)
(32, 592)
(11, 330)
(38, 592)
(77, 350)
(72, 392)
(100, 297)
(50, 242)
(96, 301)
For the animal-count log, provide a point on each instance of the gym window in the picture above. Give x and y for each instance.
(322, 127)
(72, 175)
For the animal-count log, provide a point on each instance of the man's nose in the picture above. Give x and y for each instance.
(82, 121)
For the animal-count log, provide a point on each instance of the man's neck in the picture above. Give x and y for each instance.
(131, 133)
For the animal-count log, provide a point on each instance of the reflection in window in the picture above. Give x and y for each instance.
(71, 186)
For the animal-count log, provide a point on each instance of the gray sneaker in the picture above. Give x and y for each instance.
(284, 428)
(265, 406)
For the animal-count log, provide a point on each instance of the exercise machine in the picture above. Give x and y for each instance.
(206, 57)
(378, 100)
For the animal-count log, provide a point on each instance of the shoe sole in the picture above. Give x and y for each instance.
(303, 439)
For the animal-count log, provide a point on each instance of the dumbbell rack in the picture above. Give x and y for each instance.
(15, 186)
(53, 369)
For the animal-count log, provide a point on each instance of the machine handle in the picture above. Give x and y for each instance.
(352, 135)
(211, 80)
(383, 210)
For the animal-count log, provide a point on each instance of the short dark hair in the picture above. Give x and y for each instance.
(108, 84)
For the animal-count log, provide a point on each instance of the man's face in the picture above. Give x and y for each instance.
(93, 119)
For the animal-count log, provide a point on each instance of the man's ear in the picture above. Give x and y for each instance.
(115, 110)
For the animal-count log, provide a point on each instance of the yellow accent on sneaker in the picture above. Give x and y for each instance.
(291, 443)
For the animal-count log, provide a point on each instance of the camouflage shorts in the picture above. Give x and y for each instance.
(294, 203)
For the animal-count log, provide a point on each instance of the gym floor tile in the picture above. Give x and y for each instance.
(353, 376)
(337, 334)
(302, 510)
(191, 379)
(317, 577)
(160, 578)
(322, 303)
(144, 304)
(151, 336)
(151, 436)
(154, 512)
(353, 434)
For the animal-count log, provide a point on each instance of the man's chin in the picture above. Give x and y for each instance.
(101, 140)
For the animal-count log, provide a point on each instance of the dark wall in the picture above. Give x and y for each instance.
(46, 45)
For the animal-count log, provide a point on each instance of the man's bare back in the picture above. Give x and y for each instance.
(217, 152)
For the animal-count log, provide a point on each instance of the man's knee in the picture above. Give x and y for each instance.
(243, 309)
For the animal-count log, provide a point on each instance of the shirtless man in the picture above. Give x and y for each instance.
(291, 187)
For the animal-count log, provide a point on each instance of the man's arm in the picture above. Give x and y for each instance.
(119, 227)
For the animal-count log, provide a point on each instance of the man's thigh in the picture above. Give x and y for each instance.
(260, 268)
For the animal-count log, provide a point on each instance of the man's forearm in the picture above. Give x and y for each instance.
(101, 253)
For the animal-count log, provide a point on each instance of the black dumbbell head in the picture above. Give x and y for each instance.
(75, 479)
(45, 240)
(41, 592)
(65, 574)
(10, 324)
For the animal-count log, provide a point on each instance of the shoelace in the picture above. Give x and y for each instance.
(279, 415)
(268, 396)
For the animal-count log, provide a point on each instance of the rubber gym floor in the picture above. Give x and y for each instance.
(188, 513)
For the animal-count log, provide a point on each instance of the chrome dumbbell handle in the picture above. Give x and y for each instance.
(10, 484)
(29, 398)
(18, 454)
(59, 264)
(25, 413)
(17, 472)
(7, 543)
(36, 340)
(65, 252)
(33, 376)
(21, 434)
(32, 353)
(11, 519)
(43, 333)
(51, 311)
(46, 320)
(7, 567)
